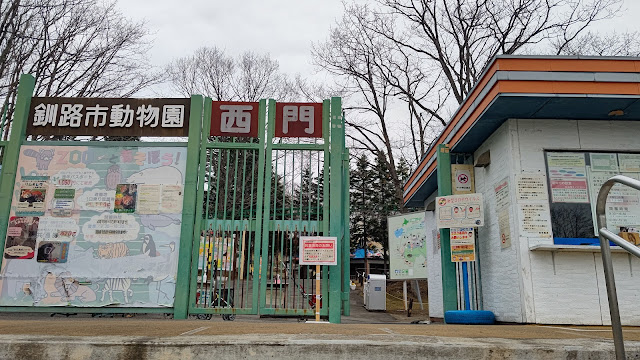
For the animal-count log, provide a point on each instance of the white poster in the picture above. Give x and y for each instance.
(531, 187)
(462, 178)
(505, 229)
(407, 246)
(172, 199)
(149, 199)
(503, 200)
(535, 220)
(623, 202)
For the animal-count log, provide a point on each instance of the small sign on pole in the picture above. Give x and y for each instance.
(318, 250)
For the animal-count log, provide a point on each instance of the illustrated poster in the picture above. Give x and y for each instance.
(568, 177)
(102, 251)
(463, 244)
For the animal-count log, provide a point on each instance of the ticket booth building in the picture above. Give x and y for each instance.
(544, 133)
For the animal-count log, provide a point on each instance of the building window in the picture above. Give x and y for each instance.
(574, 180)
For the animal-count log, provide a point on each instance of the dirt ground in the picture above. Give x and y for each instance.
(395, 304)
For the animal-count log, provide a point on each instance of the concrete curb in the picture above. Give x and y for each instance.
(303, 347)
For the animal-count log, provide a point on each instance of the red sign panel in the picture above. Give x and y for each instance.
(318, 250)
(230, 118)
(299, 120)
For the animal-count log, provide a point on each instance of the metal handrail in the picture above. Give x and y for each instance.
(606, 235)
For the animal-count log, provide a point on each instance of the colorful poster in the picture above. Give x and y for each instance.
(531, 187)
(171, 199)
(126, 195)
(33, 193)
(535, 220)
(112, 259)
(407, 246)
(53, 252)
(463, 244)
(604, 162)
(567, 177)
(149, 199)
(505, 229)
(459, 211)
(629, 163)
(21, 237)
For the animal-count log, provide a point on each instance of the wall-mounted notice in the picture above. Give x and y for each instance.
(531, 187)
(567, 177)
(22, 233)
(463, 244)
(459, 211)
(33, 192)
(629, 162)
(623, 202)
(63, 202)
(126, 195)
(318, 250)
(171, 199)
(535, 220)
(53, 252)
(503, 200)
(407, 246)
(604, 162)
(505, 229)
(462, 179)
(149, 198)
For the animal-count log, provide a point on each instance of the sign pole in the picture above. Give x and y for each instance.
(318, 293)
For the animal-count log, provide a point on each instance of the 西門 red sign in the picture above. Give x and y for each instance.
(299, 120)
(318, 250)
(230, 118)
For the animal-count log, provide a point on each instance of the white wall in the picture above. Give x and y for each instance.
(568, 287)
(434, 267)
(499, 268)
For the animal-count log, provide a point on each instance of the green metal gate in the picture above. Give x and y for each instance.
(260, 195)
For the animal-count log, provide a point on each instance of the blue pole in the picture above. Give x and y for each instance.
(465, 282)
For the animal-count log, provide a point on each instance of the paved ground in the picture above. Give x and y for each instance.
(35, 336)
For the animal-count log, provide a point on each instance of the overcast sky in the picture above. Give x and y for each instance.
(284, 28)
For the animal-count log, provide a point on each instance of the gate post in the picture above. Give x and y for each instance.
(12, 152)
(181, 301)
(336, 223)
(449, 287)
(346, 248)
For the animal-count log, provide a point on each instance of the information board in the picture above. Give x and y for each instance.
(407, 246)
(318, 250)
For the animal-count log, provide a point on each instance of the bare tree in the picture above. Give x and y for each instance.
(79, 48)
(613, 44)
(249, 77)
(462, 36)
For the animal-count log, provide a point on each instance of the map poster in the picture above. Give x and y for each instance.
(535, 220)
(629, 162)
(53, 252)
(149, 199)
(407, 246)
(568, 177)
(459, 211)
(505, 229)
(604, 162)
(171, 199)
(463, 244)
(531, 187)
(125, 201)
(22, 233)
